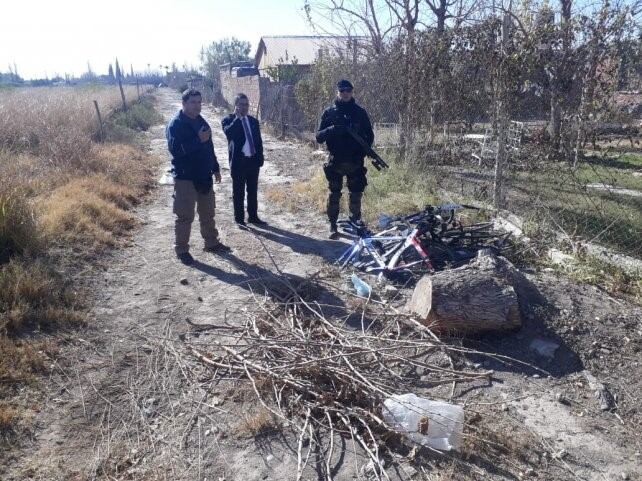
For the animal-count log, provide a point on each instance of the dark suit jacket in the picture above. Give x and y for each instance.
(235, 134)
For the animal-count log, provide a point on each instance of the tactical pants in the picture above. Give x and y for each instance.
(356, 181)
(186, 198)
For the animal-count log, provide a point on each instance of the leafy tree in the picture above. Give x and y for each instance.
(218, 53)
(286, 71)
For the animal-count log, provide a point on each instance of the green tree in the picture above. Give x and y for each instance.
(286, 71)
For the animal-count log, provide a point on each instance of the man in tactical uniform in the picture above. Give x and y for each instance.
(346, 155)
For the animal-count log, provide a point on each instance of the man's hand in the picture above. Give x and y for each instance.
(217, 177)
(204, 134)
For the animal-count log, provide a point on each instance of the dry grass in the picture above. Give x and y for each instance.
(20, 361)
(17, 224)
(256, 423)
(8, 416)
(94, 209)
(59, 187)
(33, 296)
(55, 124)
(301, 195)
(83, 211)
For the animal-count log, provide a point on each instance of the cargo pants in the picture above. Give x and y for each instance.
(186, 198)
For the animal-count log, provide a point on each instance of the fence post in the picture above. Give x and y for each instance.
(137, 88)
(100, 122)
(122, 93)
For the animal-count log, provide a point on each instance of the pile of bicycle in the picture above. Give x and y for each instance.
(433, 239)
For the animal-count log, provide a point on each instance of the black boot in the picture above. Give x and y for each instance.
(333, 207)
(334, 232)
(354, 205)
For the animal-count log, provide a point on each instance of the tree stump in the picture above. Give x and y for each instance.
(481, 296)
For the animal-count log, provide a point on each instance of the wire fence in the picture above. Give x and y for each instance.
(457, 114)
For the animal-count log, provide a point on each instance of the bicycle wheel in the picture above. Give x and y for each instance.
(412, 261)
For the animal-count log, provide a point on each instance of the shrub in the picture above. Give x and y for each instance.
(140, 116)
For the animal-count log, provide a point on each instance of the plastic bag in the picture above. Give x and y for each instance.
(436, 424)
(363, 288)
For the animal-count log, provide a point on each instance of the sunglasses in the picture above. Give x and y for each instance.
(345, 90)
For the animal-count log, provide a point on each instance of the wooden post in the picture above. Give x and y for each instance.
(137, 88)
(122, 94)
(119, 75)
(100, 122)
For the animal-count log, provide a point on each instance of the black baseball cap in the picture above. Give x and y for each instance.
(344, 85)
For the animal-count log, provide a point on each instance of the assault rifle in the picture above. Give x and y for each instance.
(377, 161)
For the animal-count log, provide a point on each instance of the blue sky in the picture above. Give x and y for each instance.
(44, 37)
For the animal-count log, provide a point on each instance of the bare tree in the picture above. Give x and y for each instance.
(598, 69)
(369, 18)
(441, 9)
(406, 12)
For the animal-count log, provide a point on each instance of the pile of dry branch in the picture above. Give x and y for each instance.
(327, 378)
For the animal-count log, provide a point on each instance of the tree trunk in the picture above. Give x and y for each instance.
(482, 296)
(502, 117)
(560, 77)
(501, 157)
(555, 124)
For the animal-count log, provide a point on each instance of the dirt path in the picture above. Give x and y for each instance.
(140, 296)
(123, 405)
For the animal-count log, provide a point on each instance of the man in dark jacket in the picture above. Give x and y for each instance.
(189, 139)
(346, 155)
(246, 158)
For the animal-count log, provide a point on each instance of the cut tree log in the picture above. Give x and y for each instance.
(481, 296)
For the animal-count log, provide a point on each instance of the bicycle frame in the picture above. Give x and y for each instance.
(411, 240)
(366, 244)
(384, 261)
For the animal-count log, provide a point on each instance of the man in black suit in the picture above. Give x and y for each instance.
(245, 148)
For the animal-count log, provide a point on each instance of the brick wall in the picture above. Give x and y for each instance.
(250, 86)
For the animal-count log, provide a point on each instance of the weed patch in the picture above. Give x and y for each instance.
(140, 116)
(400, 189)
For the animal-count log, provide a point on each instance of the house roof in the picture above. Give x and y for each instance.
(304, 49)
